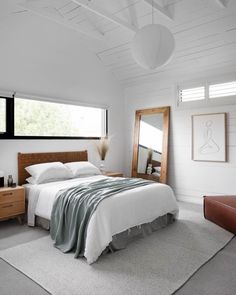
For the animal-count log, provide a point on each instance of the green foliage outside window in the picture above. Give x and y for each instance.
(39, 118)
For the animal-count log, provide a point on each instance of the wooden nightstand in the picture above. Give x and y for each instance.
(12, 202)
(113, 174)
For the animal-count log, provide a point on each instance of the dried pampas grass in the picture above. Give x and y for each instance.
(103, 147)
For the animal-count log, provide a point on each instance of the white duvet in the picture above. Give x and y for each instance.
(113, 215)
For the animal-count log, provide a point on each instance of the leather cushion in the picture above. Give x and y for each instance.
(222, 211)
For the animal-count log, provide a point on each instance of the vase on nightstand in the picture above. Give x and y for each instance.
(102, 166)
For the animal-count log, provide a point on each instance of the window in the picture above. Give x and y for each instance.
(206, 94)
(222, 90)
(40, 118)
(43, 119)
(2, 115)
(192, 94)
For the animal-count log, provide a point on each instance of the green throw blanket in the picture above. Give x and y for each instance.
(74, 207)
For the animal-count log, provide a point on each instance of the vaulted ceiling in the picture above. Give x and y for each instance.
(204, 30)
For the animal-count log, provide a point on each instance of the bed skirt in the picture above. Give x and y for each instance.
(121, 240)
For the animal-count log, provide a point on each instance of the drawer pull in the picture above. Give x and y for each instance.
(7, 194)
(7, 206)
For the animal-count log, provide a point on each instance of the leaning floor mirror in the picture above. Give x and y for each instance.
(150, 151)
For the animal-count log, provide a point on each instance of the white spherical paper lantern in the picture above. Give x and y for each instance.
(153, 46)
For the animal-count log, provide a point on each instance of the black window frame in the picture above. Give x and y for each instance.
(10, 123)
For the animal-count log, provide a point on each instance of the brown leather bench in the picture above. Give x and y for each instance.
(221, 210)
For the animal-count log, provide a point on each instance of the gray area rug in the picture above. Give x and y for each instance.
(158, 264)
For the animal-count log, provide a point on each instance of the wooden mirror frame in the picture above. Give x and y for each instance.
(164, 160)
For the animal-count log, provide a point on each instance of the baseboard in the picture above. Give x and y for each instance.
(189, 199)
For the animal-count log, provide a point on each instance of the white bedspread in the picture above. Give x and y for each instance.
(113, 215)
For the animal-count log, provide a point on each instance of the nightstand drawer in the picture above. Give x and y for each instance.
(11, 209)
(14, 195)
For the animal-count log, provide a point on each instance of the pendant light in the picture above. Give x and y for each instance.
(153, 45)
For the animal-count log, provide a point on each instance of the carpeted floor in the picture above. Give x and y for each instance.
(139, 269)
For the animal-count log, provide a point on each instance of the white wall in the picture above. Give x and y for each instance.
(42, 58)
(189, 179)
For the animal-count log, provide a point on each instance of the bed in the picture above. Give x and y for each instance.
(116, 216)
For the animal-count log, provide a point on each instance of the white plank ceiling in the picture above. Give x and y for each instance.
(204, 30)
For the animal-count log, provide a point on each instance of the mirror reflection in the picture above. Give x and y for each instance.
(150, 145)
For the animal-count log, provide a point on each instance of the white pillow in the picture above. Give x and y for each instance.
(82, 168)
(157, 169)
(47, 172)
(31, 180)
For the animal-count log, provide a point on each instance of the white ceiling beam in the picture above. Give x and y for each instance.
(132, 13)
(105, 14)
(44, 14)
(164, 11)
(222, 3)
(93, 23)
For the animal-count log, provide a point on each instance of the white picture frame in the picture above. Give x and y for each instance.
(209, 137)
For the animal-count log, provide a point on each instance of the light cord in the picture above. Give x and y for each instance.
(152, 13)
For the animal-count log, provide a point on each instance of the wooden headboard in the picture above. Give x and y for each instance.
(25, 160)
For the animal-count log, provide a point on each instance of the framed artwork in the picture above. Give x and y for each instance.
(209, 137)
